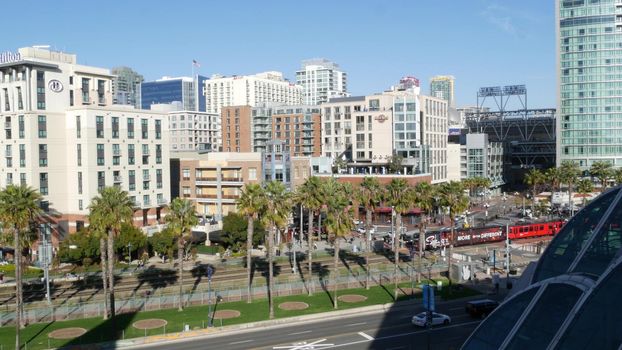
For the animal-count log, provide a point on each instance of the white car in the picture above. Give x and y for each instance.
(437, 319)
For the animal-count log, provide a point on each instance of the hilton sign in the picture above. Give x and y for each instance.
(9, 57)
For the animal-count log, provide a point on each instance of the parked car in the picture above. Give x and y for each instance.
(480, 308)
(437, 319)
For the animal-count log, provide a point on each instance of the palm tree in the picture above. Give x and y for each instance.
(109, 210)
(603, 171)
(309, 197)
(277, 209)
(398, 198)
(617, 176)
(250, 204)
(585, 186)
(423, 197)
(534, 178)
(553, 177)
(338, 221)
(103, 256)
(181, 218)
(452, 197)
(370, 195)
(19, 206)
(569, 174)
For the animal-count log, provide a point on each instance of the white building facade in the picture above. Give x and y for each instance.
(321, 80)
(434, 126)
(63, 137)
(249, 90)
(195, 131)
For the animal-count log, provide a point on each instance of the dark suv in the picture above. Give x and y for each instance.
(480, 308)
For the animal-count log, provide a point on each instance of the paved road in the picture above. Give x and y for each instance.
(391, 330)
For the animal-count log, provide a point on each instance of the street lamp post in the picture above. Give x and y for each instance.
(129, 253)
(210, 273)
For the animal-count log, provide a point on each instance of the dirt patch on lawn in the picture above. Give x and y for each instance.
(352, 298)
(67, 333)
(225, 314)
(293, 305)
(150, 323)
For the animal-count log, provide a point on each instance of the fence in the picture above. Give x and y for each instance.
(152, 303)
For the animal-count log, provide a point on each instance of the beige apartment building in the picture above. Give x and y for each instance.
(63, 137)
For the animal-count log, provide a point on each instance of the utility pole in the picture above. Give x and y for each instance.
(507, 249)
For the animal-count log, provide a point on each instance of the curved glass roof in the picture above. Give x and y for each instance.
(598, 323)
(573, 237)
(492, 332)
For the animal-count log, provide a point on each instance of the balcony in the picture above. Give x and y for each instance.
(146, 177)
(146, 204)
(118, 179)
(116, 152)
(7, 125)
(146, 151)
(9, 181)
(7, 153)
(101, 101)
(162, 201)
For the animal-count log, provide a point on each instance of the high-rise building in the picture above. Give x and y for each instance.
(180, 89)
(442, 86)
(249, 90)
(321, 80)
(249, 129)
(126, 86)
(434, 127)
(589, 64)
(63, 136)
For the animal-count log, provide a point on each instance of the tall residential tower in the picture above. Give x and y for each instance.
(442, 86)
(321, 80)
(589, 71)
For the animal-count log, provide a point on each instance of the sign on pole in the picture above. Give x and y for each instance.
(428, 298)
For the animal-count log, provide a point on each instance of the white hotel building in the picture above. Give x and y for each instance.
(63, 137)
(250, 90)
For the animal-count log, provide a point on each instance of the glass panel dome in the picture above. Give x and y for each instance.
(492, 332)
(605, 246)
(546, 316)
(566, 246)
(598, 323)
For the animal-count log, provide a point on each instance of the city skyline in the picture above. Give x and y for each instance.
(482, 43)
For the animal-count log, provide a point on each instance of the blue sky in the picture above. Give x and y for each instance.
(480, 42)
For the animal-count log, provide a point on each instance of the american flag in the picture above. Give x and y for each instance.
(196, 64)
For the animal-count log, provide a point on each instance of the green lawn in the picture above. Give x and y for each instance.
(196, 317)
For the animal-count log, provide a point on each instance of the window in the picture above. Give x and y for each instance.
(85, 91)
(43, 155)
(9, 156)
(145, 154)
(159, 178)
(42, 127)
(40, 90)
(116, 154)
(158, 129)
(80, 202)
(158, 154)
(20, 102)
(132, 180)
(43, 183)
(21, 126)
(22, 156)
(101, 180)
(115, 127)
(130, 128)
(22, 179)
(146, 200)
(186, 174)
(99, 126)
(144, 123)
(79, 154)
(186, 191)
(252, 173)
(131, 158)
(79, 182)
(78, 127)
(100, 154)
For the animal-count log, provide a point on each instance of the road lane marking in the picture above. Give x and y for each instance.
(241, 342)
(305, 345)
(366, 336)
(303, 332)
(356, 324)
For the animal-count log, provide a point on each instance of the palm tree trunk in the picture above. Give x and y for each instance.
(451, 244)
(310, 255)
(180, 256)
(570, 201)
(270, 272)
(249, 247)
(396, 235)
(335, 271)
(421, 247)
(18, 287)
(368, 218)
(102, 254)
(111, 261)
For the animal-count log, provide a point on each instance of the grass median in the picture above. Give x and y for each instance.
(196, 317)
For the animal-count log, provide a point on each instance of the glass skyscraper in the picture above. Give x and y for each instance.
(442, 86)
(186, 90)
(589, 56)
